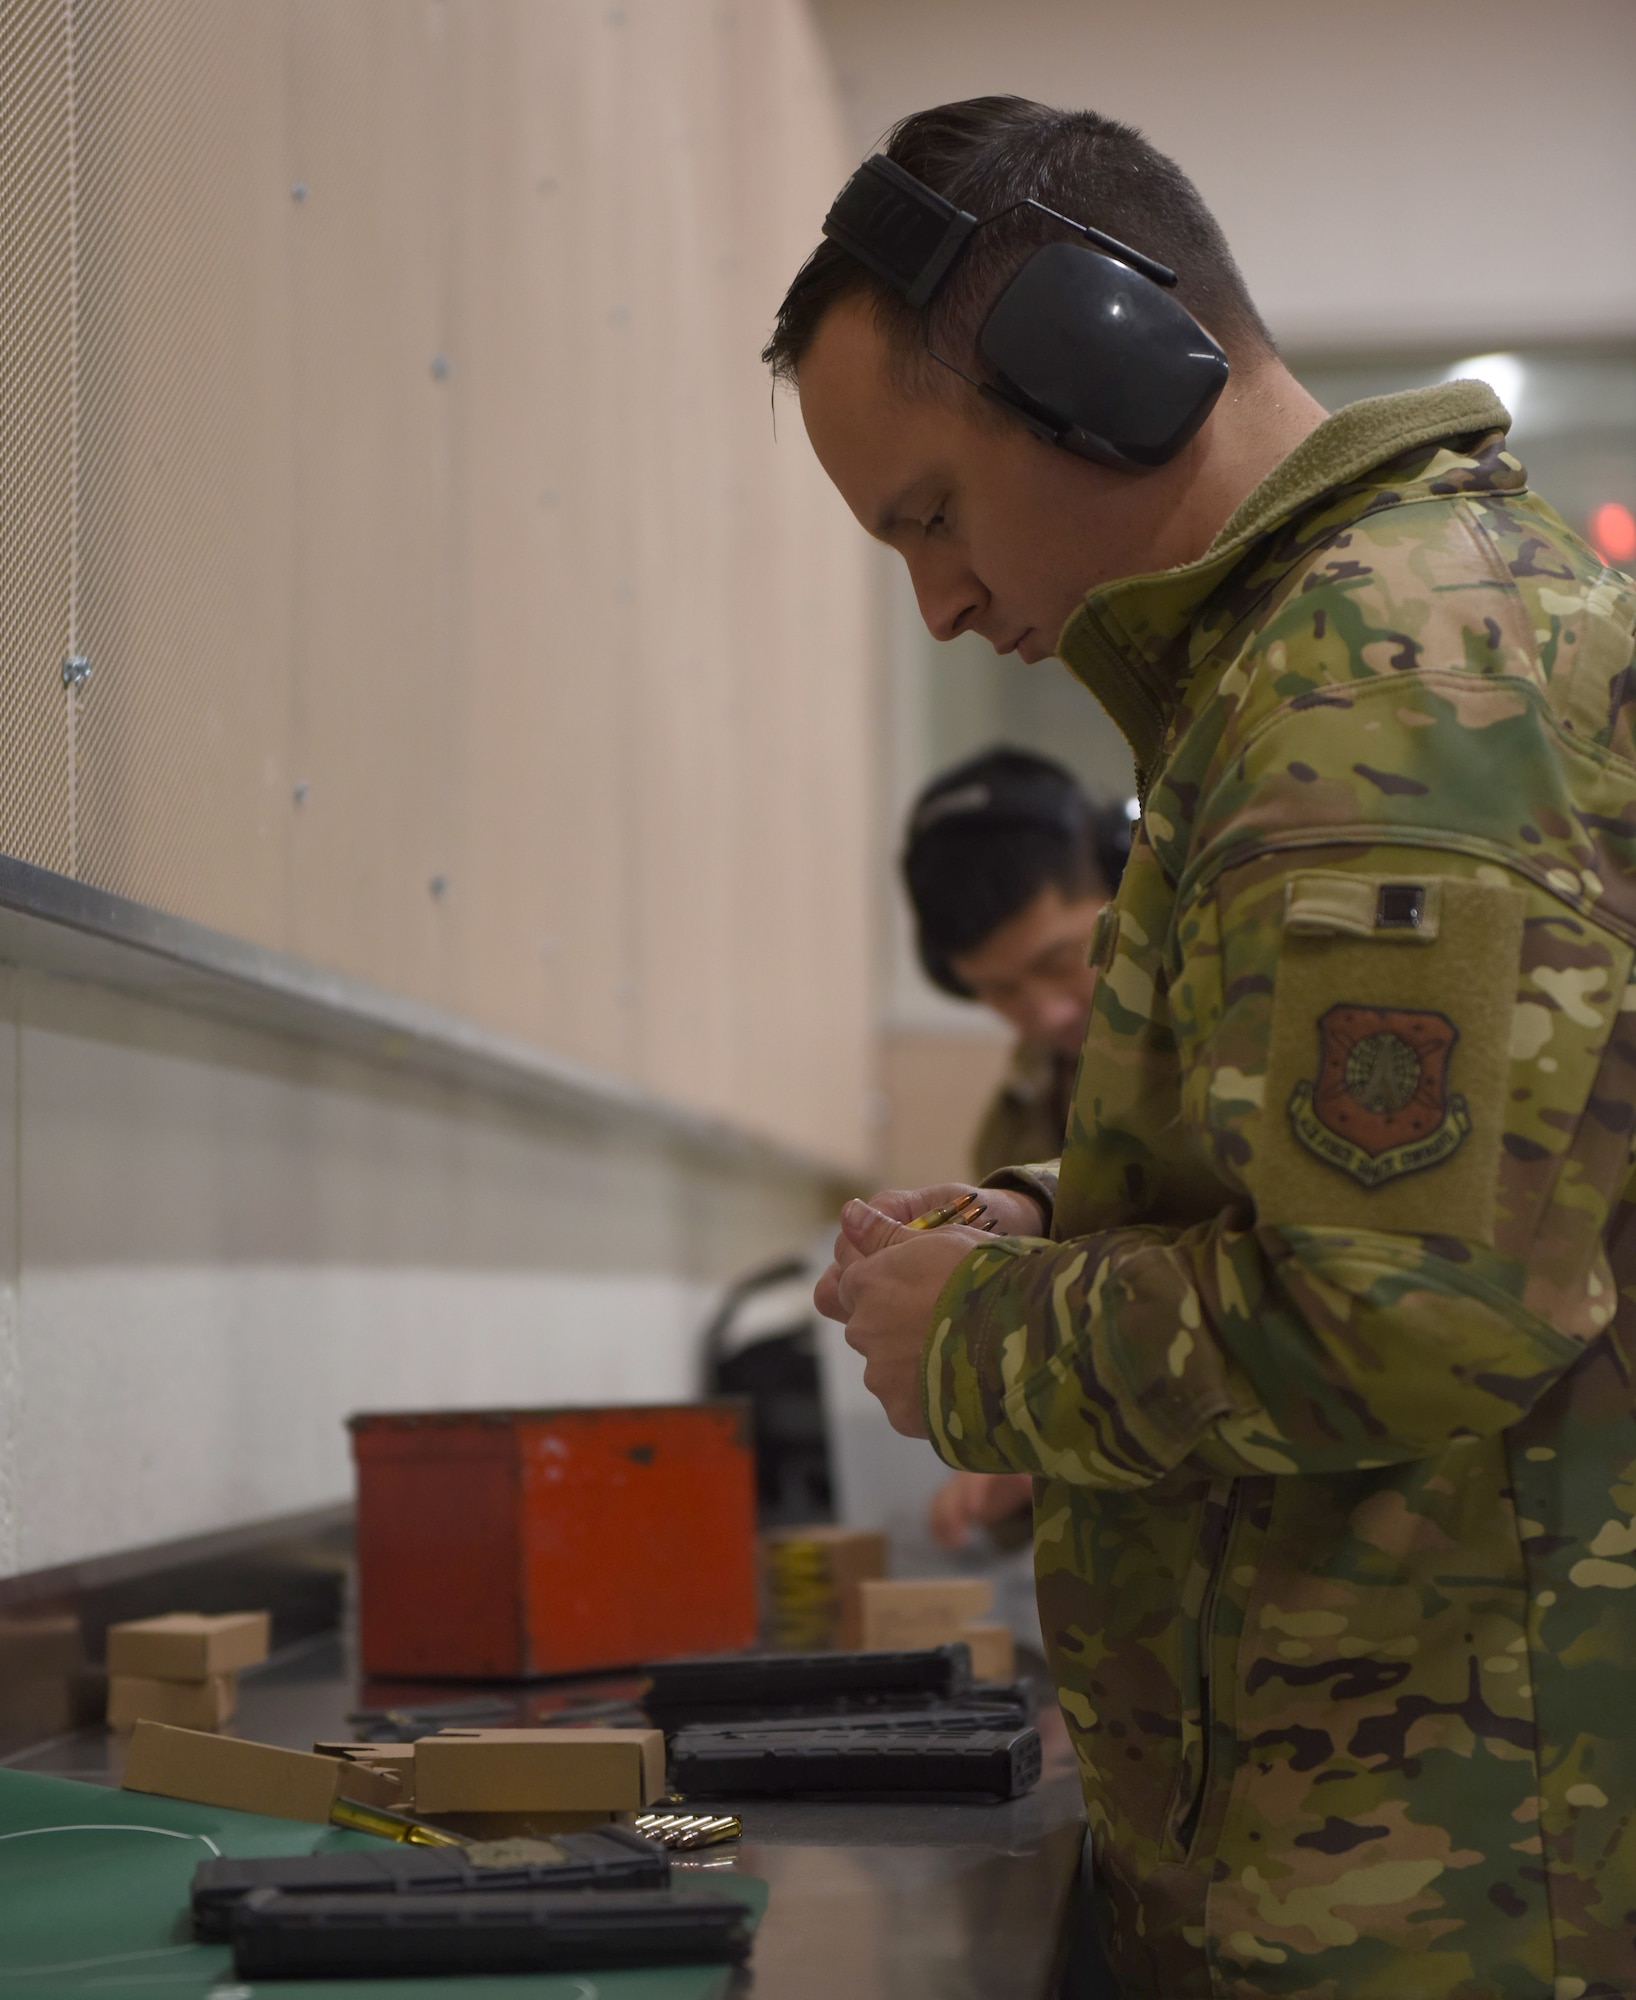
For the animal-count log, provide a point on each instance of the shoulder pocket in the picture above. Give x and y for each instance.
(1389, 1060)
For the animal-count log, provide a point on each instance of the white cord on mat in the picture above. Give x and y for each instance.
(170, 1833)
(112, 1958)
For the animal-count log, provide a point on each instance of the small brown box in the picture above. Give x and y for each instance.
(42, 1674)
(905, 1615)
(392, 1761)
(539, 1770)
(393, 1756)
(247, 1777)
(39, 1645)
(813, 1576)
(188, 1645)
(993, 1651)
(185, 1704)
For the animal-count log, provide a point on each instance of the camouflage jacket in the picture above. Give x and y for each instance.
(1325, 1373)
(1027, 1115)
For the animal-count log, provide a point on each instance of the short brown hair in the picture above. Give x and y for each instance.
(985, 154)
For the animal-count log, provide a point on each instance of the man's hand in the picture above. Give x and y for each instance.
(976, 1499)
(1004, 1213)
(885, 1281)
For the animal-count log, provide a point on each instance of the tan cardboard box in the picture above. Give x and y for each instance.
(394, 1761)
(248, 1777)
(907, 1614)
(188, 1645)
(187, 1704)
(993, 1651)
(539, 1770)
(393, 1756)
(812, 1577)
(43, 1680)
(39, 1645)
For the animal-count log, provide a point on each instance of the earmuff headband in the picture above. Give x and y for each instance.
(908, 235)
(898, 228)
(1087, 344)
(1042, 801)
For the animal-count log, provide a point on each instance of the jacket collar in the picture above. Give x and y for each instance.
(1126, 642)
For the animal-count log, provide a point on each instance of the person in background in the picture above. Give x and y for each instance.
(1008, 865)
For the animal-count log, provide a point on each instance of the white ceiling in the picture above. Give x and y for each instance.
(1389, 171)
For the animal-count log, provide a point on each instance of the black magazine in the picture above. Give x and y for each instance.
(278, 1936)
(611, 1857)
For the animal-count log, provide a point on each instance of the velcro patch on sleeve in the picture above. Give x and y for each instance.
(1326, 903)
(1385, 1101)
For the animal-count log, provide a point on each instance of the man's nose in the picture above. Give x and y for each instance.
(1057, 1012)
(951, 599)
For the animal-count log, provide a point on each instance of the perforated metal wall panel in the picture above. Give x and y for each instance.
(389, 437)
(184, 419)
(36, 429)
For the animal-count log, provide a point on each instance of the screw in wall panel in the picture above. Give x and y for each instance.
(76, 670)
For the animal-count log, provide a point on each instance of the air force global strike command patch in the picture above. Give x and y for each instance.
(1381, 1106)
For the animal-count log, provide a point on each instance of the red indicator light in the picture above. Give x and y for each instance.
(1613, 532)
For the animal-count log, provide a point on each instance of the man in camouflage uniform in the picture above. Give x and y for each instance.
(1320, 1344)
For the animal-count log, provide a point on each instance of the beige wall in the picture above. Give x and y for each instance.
(216, 1242)
(935, 1087)
(455, 618)
(1399, 170)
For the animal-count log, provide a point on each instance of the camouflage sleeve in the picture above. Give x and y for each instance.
(1039, 1180)
(1407, 1056)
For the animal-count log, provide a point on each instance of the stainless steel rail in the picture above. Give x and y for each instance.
(51, 923)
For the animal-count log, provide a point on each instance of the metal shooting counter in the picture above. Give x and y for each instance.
(874, 1902)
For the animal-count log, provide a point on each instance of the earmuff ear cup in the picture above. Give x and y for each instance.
(1099, 358)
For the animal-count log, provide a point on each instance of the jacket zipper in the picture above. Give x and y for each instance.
(1187, 1832)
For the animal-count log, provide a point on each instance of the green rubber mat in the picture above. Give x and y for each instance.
(94, 1899)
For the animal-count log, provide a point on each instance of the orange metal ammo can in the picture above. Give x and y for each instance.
(498, 1544)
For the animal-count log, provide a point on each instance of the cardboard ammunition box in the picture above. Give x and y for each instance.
(44, 1686)
(539, 1770)
(390, 1756)
(993, 1651)
(812, 1578)
(247, 1777)
(40, 1645)
(393, 1761)
(904, 1615)
(188, 1645)
(204, 1704)
(504, 1543)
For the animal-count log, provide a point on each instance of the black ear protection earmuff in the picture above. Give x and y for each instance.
(1087, 346)
(1001, 796)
